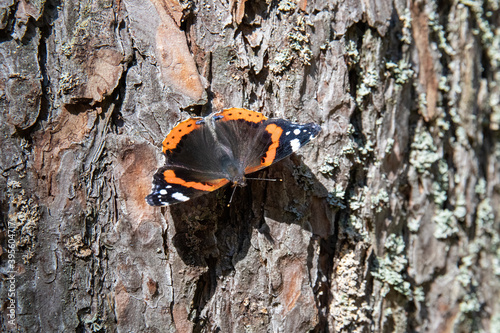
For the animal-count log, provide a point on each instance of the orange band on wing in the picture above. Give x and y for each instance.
(239, 113)
(170, 177)
(174, 137)
(270, 156)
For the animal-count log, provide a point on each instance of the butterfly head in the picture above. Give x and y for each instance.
(236, 176)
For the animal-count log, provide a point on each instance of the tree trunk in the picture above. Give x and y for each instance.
(388, 222)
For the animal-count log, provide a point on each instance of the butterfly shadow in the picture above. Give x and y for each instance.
(213, 235)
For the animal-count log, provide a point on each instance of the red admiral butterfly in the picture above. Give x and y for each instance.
(204, 154)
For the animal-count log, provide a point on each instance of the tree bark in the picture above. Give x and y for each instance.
(388, 222)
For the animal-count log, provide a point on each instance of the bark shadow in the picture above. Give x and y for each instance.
(209, 233)
(212, 237)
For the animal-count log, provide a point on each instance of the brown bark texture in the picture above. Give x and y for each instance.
(387, 222)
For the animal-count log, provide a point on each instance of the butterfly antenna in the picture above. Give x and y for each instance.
(232, 195)
(267, 179)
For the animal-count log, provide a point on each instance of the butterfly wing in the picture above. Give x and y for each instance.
(290, 136)
(285, 138)
(193, 164)
(257, 141)
(174, 184)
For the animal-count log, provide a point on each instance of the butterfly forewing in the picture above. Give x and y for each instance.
(293, 136)
(198, 152)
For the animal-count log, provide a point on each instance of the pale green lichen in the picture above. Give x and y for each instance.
(349, 306)
(424, 152)
(352, 53)
(483, 252)
(380, 200)
(286, 6)
(68, 82)
(299, 43)
(358, 226)
(80, 31)
(443, 125)
(462, 137)
(423, 157)
(487, 234)
(299, 40)
(93, 323)
(439, 194)
(422, 103)
(349, 148)
(489, 37)
(350, 129)
(23, 219)
(444, 84)
(480, 187)
(439, 30)
(470, 303)
(401, 71)
(366, 150)
(369, 79)
(281, 61)
(453, 111)
(391, 268)
(413, 225)
(357, 201)
(395, 244)
(329, 165)
(406, 30)
(460, 207)
(336, 197)
(486, 215)
(439, 187)
(445, 224)
(419, 294)
(389, 145)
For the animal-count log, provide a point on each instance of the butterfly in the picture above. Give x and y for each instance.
(204, 154)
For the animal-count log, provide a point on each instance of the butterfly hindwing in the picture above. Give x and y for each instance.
(173, 184)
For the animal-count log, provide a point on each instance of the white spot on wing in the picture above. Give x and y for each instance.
(179, 196)
(296, 131)
(295, 144)
(169, 186)
(163, 192)
(287, 133)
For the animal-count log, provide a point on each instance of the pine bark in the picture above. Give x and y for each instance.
(388, 222)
